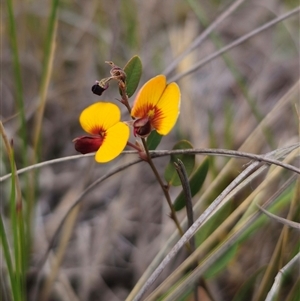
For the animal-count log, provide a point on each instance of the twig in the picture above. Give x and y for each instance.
(45, 163)
(163, 153)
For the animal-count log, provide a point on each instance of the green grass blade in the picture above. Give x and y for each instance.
(19, 259)
(17, 77)
(46, 72)
(7, 256)
(17, 275)
(49, 51)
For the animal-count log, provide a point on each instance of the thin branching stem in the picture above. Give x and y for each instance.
(164, 189)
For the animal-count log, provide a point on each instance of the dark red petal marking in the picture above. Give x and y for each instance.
(142, 128)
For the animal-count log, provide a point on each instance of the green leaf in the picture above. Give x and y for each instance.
(171, 175)
(153, 140)
(196, 182)
(133, 70)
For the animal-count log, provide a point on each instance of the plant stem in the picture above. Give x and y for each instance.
(164, 189)
(134, 146)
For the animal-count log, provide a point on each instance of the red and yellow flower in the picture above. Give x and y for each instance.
(109, 135)
(156, 107)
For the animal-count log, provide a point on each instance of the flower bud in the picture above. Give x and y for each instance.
(100, 86)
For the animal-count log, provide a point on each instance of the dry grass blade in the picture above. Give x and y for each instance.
(279, 278)
(242, 226)
(255, 139)
(123, 230)
(192, 230)
(197, 42)
(249, 174)
(235, 43)
(233, 154)
(244, 223)
(280, 219)
(163, 153)
(162, 254)
(43, 164)
(215, 237)
(277, 259)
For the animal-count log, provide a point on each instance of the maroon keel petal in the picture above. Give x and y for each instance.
(87, 144)
(142, 127)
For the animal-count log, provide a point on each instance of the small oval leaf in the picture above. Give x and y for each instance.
(133, 70)
(196, 182)
(153, 140)
(171, 175)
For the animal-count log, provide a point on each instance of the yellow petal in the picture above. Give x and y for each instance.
(114, 142)
(99, 117)
(167, 110)
(148, 96)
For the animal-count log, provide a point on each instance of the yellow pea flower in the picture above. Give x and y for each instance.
(156, 106)
(109, 134)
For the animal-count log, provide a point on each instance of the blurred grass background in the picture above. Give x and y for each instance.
(47, 70)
